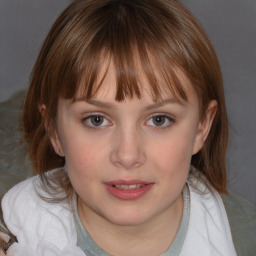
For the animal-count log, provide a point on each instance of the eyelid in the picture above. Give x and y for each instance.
(89, 115)
(168, 116)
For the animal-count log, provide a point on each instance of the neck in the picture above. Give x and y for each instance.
(151, 237)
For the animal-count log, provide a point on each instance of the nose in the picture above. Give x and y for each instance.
(128, 150)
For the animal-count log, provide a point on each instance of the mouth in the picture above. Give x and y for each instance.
(128, 190)
(129, 187)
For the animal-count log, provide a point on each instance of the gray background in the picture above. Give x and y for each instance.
(230, 24)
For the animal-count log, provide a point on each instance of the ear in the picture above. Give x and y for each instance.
(204, 126)
(52, 134)
(42, 109)
(56, 144)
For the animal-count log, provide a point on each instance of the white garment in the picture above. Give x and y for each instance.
(208, 232)
(41, 228)
(48, 229)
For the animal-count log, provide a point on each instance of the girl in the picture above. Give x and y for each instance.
(126, 125)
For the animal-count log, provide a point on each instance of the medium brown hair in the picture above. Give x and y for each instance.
(161, 34)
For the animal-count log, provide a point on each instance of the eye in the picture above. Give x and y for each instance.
(96, 121)
(160, 120)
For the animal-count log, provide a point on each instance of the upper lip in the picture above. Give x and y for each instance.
(127, 182)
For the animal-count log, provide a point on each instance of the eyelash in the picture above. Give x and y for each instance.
(90, 126)
(167, 118)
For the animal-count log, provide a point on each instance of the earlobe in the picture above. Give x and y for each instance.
(56, 144)
(42, 110)
(204, 126)
(53, 136)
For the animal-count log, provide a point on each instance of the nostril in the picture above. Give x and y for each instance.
(127, 161)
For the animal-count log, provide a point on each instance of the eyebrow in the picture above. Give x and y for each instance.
(163, 103)
(150, 107)
(100, 104)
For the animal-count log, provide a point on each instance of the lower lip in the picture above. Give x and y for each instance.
(128, 194)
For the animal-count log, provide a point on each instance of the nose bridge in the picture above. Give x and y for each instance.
(128, 150)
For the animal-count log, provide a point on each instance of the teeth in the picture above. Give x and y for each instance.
(129, 187)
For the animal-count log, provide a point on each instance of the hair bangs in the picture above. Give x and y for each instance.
(133, 49)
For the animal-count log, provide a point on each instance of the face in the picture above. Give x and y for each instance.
(128, 161)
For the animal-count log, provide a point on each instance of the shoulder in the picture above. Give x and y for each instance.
(19, 191)
(242, 219)
(30, 195)
(35, 221)
(24, 197)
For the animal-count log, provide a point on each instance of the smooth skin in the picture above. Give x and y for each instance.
(103, 140)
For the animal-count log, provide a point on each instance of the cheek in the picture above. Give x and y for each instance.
(82, 163)
(174, 153)
(81, 153)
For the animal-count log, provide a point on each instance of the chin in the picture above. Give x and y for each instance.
(128, 218)
(128, 222)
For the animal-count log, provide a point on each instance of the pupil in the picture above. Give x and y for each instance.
(97, 120)
(159, 120)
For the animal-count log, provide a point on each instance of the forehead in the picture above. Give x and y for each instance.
(105, 98)
(136, 82)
